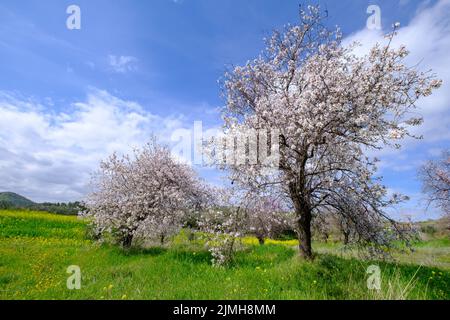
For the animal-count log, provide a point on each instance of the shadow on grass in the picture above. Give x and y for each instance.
(188, 256)
(434, 281)
(180, 253)
(151, 251)
(263, 256)
(255, 256)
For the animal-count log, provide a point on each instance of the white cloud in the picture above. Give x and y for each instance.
(122, 64)
(427, 37)
(48, 155)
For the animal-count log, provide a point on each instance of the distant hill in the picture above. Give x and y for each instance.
(11, 200)
(15, 199)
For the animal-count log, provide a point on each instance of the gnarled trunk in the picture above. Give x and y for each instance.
(325, 237)
(346, 237)
(261, 240)
(127, 241)
(304, 217)
(300, 198)
(304, 233)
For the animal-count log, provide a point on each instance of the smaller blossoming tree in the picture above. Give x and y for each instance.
(145, 195)
(266, 217)
(223, 223)
(436, 182)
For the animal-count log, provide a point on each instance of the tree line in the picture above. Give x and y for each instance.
(69, 208)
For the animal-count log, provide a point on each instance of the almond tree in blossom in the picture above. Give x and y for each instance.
(323, 226)
(144, 195)
(436, 182)
(223, 223)
(330, 106)
(266, 217)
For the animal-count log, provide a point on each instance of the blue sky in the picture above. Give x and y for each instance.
(70, 97)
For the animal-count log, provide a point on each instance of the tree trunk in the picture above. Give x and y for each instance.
(346, 237)
(300, 198)
(304, 217)
(304, 234)
(261, 240)
(127, 241)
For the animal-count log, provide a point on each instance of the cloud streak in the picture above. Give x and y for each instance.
(122, 64)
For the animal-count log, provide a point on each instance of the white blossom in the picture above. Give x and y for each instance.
(145, 195)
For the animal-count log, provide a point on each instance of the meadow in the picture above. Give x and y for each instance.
(36, 248)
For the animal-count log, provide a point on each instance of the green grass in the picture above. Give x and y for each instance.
(36, 249)
(431, 253)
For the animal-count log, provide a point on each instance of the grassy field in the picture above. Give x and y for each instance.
(36, 249)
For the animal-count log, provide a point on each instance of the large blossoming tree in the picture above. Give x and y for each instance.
(145, 195)
(330, 106)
